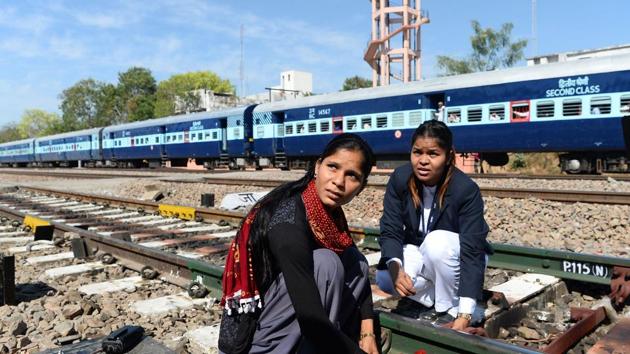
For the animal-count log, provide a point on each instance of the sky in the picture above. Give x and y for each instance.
(47, 46)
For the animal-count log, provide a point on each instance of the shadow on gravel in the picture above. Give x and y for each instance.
(32, 291)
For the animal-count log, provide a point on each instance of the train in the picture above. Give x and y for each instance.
(579, 109)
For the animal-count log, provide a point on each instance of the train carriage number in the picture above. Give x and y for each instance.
(585, 268)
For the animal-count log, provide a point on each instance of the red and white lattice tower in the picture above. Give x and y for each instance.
(395, 40)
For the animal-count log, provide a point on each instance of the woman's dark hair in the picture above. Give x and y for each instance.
(442, 134)
(261, 255)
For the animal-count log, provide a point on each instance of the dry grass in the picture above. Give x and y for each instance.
(535, 164)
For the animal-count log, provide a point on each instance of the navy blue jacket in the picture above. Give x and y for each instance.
(461, 212)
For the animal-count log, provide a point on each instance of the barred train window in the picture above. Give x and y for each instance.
(544, 109)
(497, 112)
(351, 124)
(600, 105)
(260, 131)
(474, 114)
(200, 136)
(312, 127)
(572, 107)
(453, 115)
(324, 127)
(381, 121)
(624, 106)
(366, 122)
(415, 118)
(157, 139)
(215, 135)
(398, 119)
(299, 128)
(288, 129)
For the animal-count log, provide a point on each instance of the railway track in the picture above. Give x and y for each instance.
(152, 245)
(599, 197)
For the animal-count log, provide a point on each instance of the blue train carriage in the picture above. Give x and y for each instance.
(295, 131)
(19, 153)
(580, 109)
(79, 148)
(577, 108)
(213, 139)
(134, 145)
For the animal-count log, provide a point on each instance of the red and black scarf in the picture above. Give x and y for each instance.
(240, 291)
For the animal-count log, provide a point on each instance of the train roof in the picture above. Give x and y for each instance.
(526, 73)
(178, 119)
(70, 134)
(16, 142)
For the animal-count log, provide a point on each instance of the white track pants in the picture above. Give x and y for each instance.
(434, 271)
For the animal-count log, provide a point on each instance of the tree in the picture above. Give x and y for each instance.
(37, 122)
(179, 90)
(355, 82)
(9, 132)
(136, 94)
(491, 50)
(88, 104)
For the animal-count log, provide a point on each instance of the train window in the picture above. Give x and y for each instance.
(312, 127)
(337, 126)
(351, 124)
(279, 131)
(157, 139)
(600, 105)
(624, 105)
(366, 122)
(288, 130)
(497, 112)
(299, 128)
(474, 114)
(398, 119)
(381, 122)
(260, 131)
(324, 127)
(544, 109)
(454, 115)
(168, 138)
(415, 118)
(199, 136)
(181, 137)
(214, 136)
(572, 107)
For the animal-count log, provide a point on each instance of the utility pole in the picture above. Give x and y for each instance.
(241, 68)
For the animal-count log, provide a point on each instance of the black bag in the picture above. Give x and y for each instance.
(237, 332)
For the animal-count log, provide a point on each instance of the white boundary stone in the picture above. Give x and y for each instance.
(204, 339)
(50, 258)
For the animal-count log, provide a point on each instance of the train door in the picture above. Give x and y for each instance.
(519, 111)
(223, 127)
(436, 106)
(112, 144)
(337, 124)
(278, 139)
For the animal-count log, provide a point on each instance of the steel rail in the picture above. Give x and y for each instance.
(75, 175)
(569, 196)
(563, 264)
(172, 268)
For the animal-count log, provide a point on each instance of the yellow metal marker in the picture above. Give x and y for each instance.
(176, 211)
(42, 229)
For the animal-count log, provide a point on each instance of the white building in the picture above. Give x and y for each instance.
(577, 55)
(293, 84)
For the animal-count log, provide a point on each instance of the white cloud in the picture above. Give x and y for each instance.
(101, 20)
